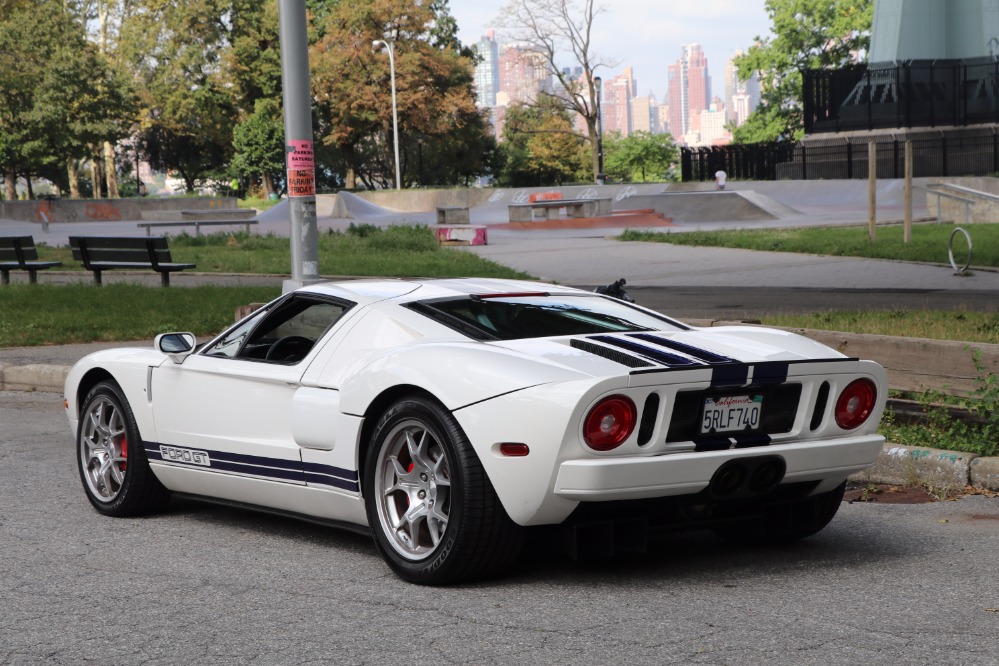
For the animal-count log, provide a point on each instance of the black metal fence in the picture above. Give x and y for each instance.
(969, 152)
(916, 93)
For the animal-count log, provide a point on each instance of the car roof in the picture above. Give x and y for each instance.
(371, 291)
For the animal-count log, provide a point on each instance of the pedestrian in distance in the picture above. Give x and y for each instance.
(720, 177)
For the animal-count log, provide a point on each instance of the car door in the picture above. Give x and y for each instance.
(228, 408)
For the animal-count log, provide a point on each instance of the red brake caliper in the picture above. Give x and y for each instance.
(124, 451)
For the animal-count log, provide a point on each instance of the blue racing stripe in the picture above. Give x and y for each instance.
(689, 350)
(648, 352)
(276, 469)
(772, 372)
(730, 375)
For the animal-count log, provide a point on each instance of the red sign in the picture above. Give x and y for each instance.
(301, 183)
(300, 155)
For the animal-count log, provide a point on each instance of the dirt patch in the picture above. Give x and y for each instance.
(886, 494)
(889, 494)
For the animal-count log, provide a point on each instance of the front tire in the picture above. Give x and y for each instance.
(111, 458)
(435, 516)
(803, 518)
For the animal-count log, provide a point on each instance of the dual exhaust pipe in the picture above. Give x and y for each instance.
(747, 477)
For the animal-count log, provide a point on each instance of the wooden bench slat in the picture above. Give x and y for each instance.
(20, 253)
(100, 253)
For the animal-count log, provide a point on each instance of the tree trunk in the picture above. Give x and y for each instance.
(268, 183)
(595, 147)
(73, 177)
(10, 186)
(95, 177)
(31, 189)
(110, 173)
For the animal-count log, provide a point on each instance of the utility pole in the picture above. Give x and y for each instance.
(298, 144)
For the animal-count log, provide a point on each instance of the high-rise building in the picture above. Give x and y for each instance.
(741, 97)
(645, 114)
(688, 90)
(616, 106)
(523, 73)
(487, 71)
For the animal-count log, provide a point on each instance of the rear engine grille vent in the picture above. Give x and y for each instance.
(780, 405)
(610, 354)
(649, 415)
(820, 406)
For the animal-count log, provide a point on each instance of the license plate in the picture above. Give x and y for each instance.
(731, 413)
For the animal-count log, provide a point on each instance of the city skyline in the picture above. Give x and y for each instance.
(647, 36)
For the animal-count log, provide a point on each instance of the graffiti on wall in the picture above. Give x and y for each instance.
(102, 212)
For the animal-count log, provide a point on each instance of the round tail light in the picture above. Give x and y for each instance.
(609, 423)
(856, 403)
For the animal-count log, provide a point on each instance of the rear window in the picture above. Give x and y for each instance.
(539, 316)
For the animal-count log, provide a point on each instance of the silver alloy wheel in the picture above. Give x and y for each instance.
(413, 489)
(103, 449)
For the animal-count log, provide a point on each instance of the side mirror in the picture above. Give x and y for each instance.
(177, 346)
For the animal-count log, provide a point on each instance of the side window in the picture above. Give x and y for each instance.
(284, 335)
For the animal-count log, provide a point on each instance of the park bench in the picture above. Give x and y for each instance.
(550, 209)
(103, 253)
(19, 253)
(197, 224)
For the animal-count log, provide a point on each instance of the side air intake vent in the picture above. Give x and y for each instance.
(820, 406)
(650, 413)
(610, 354)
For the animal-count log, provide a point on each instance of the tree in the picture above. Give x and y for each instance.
(556, 27)
(189, 110)
(259, 144)
(539, 147)
(58, 95)
(641, 157)
(350, 82)
(808, 34)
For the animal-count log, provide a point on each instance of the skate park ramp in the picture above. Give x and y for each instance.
(713, 206)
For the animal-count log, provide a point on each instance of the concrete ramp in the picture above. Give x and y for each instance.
(710, 206)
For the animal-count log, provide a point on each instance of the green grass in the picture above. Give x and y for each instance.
(364, 250)
(961, 325)
(259, 203)
(62, 314)
(929, 241)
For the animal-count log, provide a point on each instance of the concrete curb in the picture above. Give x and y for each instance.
(935, 469)
(35, 377)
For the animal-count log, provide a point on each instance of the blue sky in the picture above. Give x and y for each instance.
(648, 34)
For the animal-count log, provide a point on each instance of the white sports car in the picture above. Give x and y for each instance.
(446, 416)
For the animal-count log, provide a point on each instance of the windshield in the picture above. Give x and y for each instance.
(538, 316)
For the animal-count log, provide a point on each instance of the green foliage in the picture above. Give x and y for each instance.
(435, 100)
(943, 429)
(59, 95)
(540, 146)
(807, 34)
(641, 157)
(259, 142)
(929, 241)
(64, 314)
(931, 324)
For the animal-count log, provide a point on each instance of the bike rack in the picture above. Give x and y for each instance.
(950, 252)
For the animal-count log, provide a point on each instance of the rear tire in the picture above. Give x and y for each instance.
(434, 514)
(111, 458)
(802, 519)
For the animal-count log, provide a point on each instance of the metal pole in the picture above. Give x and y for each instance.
(872, 191)
(600, 133)
(395, 114)
(298, 144)
(907, 220)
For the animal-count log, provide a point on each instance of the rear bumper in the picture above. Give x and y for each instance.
(610, 479)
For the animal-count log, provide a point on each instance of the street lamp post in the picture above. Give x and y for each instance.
(395, 114)
(600, 133)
